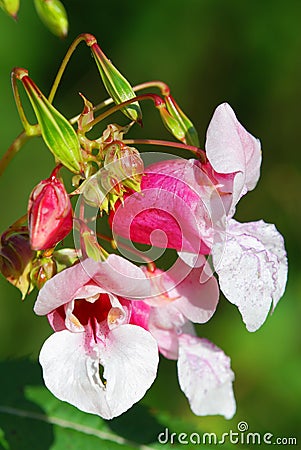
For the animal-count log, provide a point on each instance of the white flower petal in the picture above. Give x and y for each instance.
(129, 356)
(205, 377)
(231, 148)
(252, 269)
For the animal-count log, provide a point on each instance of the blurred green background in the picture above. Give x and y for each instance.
(247, 53)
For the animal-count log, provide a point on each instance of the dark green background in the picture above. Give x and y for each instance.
(247, 53)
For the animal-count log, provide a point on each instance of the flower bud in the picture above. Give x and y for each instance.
(172, 123)
(53, 15)
(11, 7)
(91, 247)
(94, 193)
(191, 136)
(42, 270)
(16, 257)
(49, 213)
(58, 134)
(116, 85)
(125, 163)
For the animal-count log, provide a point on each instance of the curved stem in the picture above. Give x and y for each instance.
(62, 68)
(158, 101)
(108, 101)
(12, 150)
(164, 88)
(197, 151)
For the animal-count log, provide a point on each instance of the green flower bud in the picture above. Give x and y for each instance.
(116, 85)
(172, 123)
(124, 163)
(65, 257)
(53, 15)
(91, 247)
(191, 136)
(42, 270)
(58, 134)
(11, 7)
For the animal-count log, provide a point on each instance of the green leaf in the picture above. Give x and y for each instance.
(31, 418)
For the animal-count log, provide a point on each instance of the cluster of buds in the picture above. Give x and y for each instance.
(192, 202)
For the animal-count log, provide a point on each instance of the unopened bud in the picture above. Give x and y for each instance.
(172, 123)
(116, 85)
(125, 163)
(94, 193)
(58, 134)
(11, 7)
(191, 135)
(53, 15)
(91, 247)
(49, 213)
(16, 257)
(42, 270)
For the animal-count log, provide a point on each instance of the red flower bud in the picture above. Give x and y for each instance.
(49, 213)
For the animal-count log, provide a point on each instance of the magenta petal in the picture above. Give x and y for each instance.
(174, 208)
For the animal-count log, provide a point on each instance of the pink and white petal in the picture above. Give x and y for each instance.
(196, 301)
(130, 359)
(205, 377)
(231, 148)
(60, 289)
(71, 370)
(252, 269)
(119, 276)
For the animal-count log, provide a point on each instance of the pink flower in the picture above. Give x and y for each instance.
(89, 307)
(204, 370)
(189, 206)
(49, 213)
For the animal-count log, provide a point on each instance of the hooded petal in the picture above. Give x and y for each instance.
(252, 269)
(115, 275)
(129, 356)
(119, 276)
(60, 289)
(205, 377)
(230, 148)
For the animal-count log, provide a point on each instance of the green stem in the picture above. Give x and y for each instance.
(197, 151)
(158, 101)
(17, 74)
(12, 150)
(78, 40)
(164, 88)
(159, 84)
